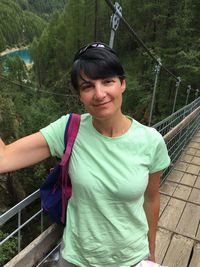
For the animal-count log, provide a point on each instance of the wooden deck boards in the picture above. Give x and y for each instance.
(178, 234)
(195, 262)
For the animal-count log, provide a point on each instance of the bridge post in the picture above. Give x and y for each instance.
(188, 93)
(157, 69)
(196, 93)
(114, 22)
(19, 232)
(175, 98)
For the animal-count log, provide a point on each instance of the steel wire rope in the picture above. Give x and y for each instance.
(158, 63)
(110, 4)
(34, 89)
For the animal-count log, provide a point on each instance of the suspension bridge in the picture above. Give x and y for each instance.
(178, 232)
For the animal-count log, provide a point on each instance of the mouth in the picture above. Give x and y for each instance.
(101, 104)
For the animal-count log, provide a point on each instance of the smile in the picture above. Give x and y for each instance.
(102, 104)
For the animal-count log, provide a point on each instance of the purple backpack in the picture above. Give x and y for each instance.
(56, 189)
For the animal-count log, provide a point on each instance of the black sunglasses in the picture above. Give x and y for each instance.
(83, 49)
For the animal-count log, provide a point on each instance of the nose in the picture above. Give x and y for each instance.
(99, 92)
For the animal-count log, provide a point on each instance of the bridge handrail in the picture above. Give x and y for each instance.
(35, 195)
(17, 210)
(18, 207)
(181, 124)
(171, 121)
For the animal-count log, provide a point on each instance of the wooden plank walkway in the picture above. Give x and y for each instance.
(178, 234)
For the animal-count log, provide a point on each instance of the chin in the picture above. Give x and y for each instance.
(101, 115)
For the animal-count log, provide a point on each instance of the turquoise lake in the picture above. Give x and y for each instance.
(23, 54)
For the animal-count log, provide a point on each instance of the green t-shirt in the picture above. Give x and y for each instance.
(106, 222)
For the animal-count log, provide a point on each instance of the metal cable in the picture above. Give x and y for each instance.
(131, 30)
(34, 89)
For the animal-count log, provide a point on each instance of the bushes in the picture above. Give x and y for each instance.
(8, 249)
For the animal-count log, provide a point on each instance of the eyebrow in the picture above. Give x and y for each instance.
(85, 82)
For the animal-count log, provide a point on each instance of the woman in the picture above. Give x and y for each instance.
(115, 168)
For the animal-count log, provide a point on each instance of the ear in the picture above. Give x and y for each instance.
(123, 85)
(80, 98)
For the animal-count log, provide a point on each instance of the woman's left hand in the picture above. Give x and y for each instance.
(152, 258)
(152, 207)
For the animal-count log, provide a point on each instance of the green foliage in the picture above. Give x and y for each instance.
(17, 26)
(66, 32)
(30, 100)
(8, 121)
(23, 4)
(2, 41)
(45, 8)
(16, 69)
(24, 110)
(167, 29)
(8, 249)
(170, 29)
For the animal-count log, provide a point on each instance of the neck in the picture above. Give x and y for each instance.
(112, 127)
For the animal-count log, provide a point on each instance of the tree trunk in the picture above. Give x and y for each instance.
(15, 189)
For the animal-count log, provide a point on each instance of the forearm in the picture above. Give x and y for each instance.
(23, 153)
(152, 207)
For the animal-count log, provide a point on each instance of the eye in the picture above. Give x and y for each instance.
(108, 81)
(86, 87)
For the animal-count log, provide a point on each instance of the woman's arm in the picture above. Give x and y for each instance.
(152, 207)
(23, 152)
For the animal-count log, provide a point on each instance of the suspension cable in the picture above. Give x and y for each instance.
(110, 4)
(34, 89)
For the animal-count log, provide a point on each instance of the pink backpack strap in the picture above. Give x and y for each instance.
(71, 136)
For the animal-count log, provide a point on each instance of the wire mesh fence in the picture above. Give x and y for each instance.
(168, 123)
(183, 136)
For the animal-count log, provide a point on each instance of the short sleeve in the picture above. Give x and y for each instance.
(54, 135)
(160, 157)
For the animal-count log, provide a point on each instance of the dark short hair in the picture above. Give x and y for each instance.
(97, 61)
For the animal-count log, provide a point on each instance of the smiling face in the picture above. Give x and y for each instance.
(102, 98)
(99, 78)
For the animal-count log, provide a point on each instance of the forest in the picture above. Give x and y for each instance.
(30, 98)
(22, 20)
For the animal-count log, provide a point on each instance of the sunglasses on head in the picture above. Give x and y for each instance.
(83, 49)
